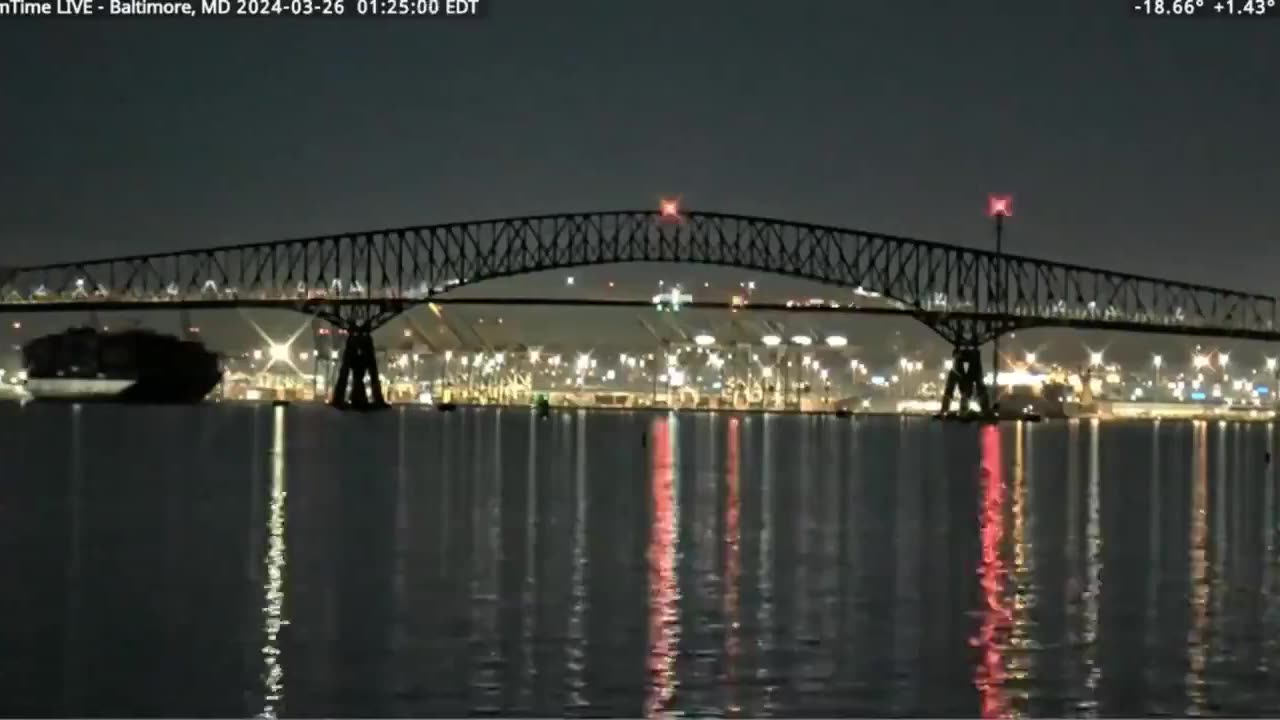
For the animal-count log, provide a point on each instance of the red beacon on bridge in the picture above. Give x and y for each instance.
(669, 209)
(1000, 205)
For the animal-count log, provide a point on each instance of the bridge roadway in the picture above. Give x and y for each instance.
(359, 281)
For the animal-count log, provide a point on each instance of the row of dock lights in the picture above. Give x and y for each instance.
(835, 341)
(281, 352)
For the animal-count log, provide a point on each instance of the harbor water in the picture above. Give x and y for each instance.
(229, 560)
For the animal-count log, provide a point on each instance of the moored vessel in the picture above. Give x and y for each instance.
(136, 365)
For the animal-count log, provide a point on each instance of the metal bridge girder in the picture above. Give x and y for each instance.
(409, 265)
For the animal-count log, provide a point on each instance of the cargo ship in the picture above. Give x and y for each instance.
(139, 366)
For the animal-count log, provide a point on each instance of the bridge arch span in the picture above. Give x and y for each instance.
(360, 279)
(418, 263)
(847, 259)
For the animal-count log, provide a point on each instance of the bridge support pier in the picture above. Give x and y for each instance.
(358, 385)
(966, 382)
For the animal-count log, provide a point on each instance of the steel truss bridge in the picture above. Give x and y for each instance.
(359, 281)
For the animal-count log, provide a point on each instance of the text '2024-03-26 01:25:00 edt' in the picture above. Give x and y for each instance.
(426, 9)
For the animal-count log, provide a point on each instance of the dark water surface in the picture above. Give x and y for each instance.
(490, 563)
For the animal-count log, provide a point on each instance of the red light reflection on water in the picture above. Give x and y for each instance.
(732, 568)
(990, 675)
(664, 620)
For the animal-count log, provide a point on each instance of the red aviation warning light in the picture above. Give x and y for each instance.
(1000, 205)
(669, 209)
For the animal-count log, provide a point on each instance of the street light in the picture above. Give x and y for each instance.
(1031, 358)
(1095, 359)
(1275, 376)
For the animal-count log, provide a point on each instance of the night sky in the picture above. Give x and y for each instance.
(1141, 145)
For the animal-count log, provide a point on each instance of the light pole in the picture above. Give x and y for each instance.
(999, 207)
(1274, 367)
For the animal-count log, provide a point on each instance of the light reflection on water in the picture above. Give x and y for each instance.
(489, 562)
(664, 619)
(273, 612)
(1198, 562)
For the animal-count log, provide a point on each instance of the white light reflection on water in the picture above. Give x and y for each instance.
(529, 586)
(798, 645)
(74, 600)
(576, 652)
(273, 610)
(700, 658)
(1154, 559)
(907, 598)
(1270, 593)
(766, 674)
(1197, 654)
(827, 665)
(486, 559)
(1221, 557)
(664, 588)
(1072, 584)
(1020, 666)
(1093, 578)
(400, 628)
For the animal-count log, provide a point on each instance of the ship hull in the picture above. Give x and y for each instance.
(158, 391)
